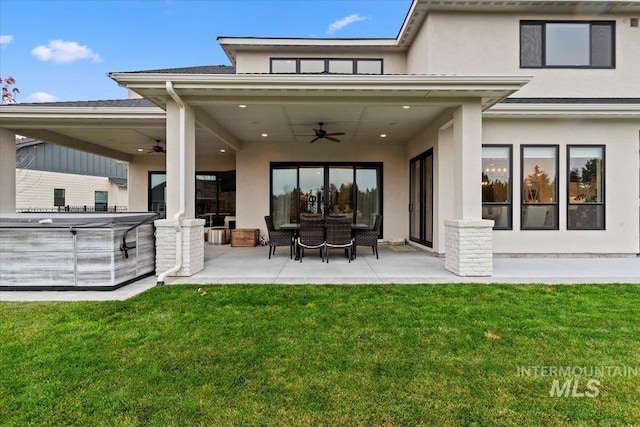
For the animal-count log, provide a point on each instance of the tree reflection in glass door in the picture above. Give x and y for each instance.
(312, 190)
(340, 190)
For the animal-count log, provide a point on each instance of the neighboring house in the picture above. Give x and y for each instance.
(51, 177)
(502, 127)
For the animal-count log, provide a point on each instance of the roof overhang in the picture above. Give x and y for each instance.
(286, 105)
(573, 110)
(107, 131)
(215, 89)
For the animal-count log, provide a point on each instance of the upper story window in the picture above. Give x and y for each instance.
(325, 66)
(562, 44)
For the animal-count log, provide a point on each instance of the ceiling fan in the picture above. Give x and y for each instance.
(321, 133)
(157, 148)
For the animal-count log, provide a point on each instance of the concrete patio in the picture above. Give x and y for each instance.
(397, 264)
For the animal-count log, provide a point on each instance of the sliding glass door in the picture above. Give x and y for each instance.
(337, 188)
(421, 199)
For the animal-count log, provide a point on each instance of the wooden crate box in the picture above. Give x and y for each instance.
(245, 237)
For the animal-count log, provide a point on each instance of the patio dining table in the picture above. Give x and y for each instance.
(294, 227)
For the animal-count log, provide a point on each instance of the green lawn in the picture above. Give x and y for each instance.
(322, 355)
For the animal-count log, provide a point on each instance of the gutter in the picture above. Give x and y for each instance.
(177, 218)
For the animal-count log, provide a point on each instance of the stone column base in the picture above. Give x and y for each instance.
(192, 246)
(469, 247)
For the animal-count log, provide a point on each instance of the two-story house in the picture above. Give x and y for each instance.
(502, 127)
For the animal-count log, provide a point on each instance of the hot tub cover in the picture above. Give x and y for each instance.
(76, 220)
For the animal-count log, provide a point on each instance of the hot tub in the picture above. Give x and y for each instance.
(75, 251)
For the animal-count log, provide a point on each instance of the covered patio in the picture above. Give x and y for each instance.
(211, 121)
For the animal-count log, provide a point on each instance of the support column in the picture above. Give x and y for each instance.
(180, 130)
(7, 171)
(469, 238)
(174, 234)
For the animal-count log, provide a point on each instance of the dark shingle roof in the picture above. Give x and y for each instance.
(571, 101)
(202, 69)
(115, 103)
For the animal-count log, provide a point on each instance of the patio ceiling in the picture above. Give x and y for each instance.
(285, 108)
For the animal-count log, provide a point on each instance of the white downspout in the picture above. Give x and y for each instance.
(177, 218)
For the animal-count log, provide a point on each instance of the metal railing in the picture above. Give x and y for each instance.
(84, 208)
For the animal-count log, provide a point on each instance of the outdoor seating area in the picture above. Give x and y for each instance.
(315, 231)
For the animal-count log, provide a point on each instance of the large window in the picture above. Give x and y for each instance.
(326, 65)
(496, 185)
(585, 210)
(215, 196)
(157, 192)
(563, 44)
(539, 178)
(353, 190)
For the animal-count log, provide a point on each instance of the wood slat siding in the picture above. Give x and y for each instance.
(45, 257)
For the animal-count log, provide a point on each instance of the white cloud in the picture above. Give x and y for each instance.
(42, 97)
(341, 23)
(5, 39)
(64, 52)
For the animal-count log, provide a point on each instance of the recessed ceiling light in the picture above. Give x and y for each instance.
(242, 106)
(406, 107)
(222, 150)
(140, 149)
(265, 135)
(383, 135)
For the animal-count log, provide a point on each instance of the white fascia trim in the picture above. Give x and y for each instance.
(296, 81)
(563, 110)
(293, 42)
(93, 113)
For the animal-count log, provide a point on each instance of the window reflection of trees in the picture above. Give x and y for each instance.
(494, 190)
(538, 187)
(584, 182)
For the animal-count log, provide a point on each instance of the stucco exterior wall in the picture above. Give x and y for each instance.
(139, 169)
(253, 177)
(34, 189)
(259, 62)
(441, 140)
(489, 44)
(622, 234)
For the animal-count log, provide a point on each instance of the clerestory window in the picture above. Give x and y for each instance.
(326, 66)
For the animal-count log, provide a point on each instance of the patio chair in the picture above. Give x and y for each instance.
(278, 238)
(310, 235)
(339, 235)
(369, 237)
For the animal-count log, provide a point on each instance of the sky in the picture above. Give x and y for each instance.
(62, 50)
